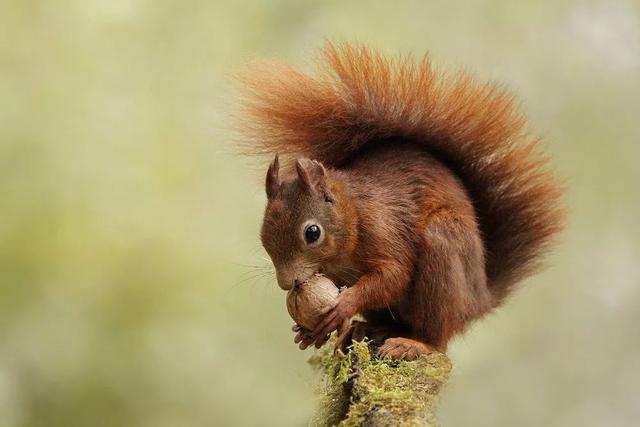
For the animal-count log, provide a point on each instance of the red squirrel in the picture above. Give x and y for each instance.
(418, 191)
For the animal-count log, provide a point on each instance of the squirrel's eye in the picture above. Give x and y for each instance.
(312, 233)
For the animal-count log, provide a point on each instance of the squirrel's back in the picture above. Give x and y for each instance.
(360, 97)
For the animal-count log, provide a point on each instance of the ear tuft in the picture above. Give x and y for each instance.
(272, 184)
(312, 173)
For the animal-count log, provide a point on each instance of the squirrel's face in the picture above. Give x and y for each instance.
(303, 228)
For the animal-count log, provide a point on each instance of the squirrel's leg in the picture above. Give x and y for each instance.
(449, 288)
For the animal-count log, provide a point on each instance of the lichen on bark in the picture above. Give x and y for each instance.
(358, 389)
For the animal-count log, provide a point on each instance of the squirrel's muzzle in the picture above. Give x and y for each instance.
(292, 275)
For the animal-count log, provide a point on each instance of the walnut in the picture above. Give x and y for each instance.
(308, 301)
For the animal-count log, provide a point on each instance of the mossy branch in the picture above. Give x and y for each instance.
(360, 390)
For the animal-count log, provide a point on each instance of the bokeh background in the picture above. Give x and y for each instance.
(133, 289)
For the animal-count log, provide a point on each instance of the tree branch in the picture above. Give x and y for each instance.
(360, 390)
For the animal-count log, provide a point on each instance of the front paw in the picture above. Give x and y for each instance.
(339, 316)
(304, 338)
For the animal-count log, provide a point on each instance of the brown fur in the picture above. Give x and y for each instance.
(433, 200)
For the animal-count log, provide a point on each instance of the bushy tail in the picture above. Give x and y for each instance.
(359, 96)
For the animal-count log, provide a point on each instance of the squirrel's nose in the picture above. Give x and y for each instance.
(296, 283)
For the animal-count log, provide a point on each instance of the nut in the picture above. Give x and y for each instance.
(308, 301)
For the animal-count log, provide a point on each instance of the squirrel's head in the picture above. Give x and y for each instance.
(309, 221)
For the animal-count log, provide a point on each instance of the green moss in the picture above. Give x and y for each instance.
(334, 386)
(359, 389)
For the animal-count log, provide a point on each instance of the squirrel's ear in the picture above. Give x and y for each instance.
(272, 183)
(311, 173)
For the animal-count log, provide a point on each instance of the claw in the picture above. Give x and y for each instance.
(323, 341)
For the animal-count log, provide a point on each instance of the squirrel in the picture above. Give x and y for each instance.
(419, 191)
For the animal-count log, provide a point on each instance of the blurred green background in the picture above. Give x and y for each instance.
(134, 291)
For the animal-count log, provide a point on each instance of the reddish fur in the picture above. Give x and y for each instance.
(444, 202)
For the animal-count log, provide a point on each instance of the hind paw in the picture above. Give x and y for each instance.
(403, 349)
